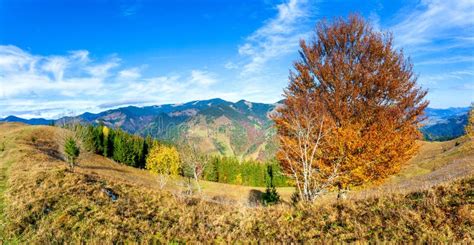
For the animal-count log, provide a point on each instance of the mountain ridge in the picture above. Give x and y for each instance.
(216, 126)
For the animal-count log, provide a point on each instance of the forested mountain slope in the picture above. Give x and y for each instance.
(242, 129)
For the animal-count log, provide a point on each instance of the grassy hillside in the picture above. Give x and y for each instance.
(43, 202)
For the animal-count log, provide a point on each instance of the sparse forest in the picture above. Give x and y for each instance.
(122, 147)
(251, 173)
(135, 151)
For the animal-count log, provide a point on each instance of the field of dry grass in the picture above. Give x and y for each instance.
(42, 201)
(436, 163)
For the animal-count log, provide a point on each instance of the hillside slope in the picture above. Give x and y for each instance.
(103, 201)
(436, 163)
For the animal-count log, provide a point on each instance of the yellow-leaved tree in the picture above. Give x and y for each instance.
(163, 161)
(470, 122)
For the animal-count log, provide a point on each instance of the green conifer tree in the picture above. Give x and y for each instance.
(271, 195)
(72, 151)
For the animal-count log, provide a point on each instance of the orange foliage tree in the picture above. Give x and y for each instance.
(470, 122)
(351, 110)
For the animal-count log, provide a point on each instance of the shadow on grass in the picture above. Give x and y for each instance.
(255, 197)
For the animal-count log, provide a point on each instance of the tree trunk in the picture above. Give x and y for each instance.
(197, 181)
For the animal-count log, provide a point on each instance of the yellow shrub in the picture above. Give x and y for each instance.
(163, 160)
(105, 131)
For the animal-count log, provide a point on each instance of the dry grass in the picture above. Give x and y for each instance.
(45, 202)
(436, 155)
(436, 163)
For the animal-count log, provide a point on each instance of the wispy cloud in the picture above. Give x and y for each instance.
(447, 60)
(24, 74)
(202, 78)
(130, 74)
(433, 80)
(279, 35)
(434, 20)
(438, 35)
(130, 7)
(230, 65)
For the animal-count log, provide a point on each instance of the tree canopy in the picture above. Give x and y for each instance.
(163, 160)
(351, 109)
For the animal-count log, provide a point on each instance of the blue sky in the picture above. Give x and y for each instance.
(66, 57)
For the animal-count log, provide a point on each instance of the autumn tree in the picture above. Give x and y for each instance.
(193, 162)
(163, 161)
(351, 109)
(470, 122)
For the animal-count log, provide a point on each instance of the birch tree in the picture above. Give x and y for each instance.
(193, 162)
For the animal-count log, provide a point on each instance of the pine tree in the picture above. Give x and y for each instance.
(271, 195)
(72, 151)
(119, 151)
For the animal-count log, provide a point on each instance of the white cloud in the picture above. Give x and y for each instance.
(374, 19)
(56, 65)
(30, 108)
(13, 58)
(102, 70)
(202, 78)
(80, 55)
(434, 20)
(130, 74)
(231, 65)
(438, 35)
(57, 85)
(447, 60)
(279, 36)
(433, 80)
(24, 74)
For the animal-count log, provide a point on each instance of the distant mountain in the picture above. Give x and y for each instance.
(34, 121)
(242, 129)
(445, 124)
(441, 115)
